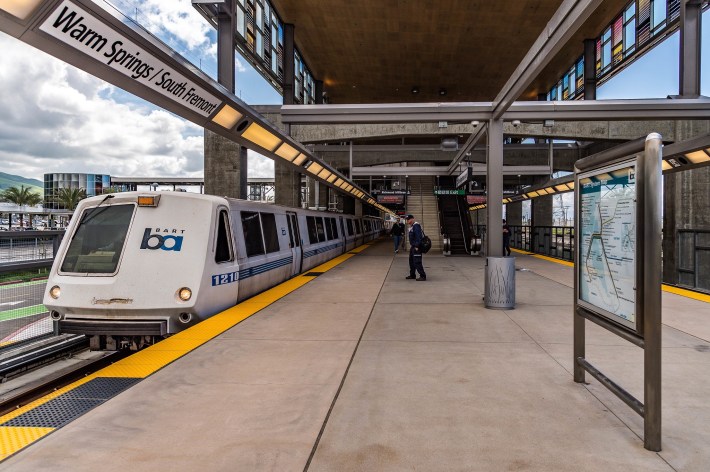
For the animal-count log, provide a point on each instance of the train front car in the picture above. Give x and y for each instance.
(133, 266)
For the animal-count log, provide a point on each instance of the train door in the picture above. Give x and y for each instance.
(343, 234)
(295, 243)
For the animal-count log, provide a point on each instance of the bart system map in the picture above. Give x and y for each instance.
(607, 243)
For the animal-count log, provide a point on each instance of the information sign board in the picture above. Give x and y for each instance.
(607, 242)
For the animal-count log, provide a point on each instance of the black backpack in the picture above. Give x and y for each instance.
(425, 245)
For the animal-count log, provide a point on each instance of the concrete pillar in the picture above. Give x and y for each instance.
(514, 213)
(358, 206)
(287, 182)
(287, 185)
(311, 186)
(319, 92)
(689, 70)
(541, 211)
(590, 69)
(225, 160)
(224, 171)
(321, 196)
(686, 207)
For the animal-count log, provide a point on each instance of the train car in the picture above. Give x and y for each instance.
(135, 267)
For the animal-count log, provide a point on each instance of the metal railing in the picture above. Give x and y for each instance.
(693, 255)
(25, 260)
(553, 241)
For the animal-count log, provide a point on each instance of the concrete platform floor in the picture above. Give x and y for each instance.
(362, 370)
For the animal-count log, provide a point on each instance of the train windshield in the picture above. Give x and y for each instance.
(98, 241)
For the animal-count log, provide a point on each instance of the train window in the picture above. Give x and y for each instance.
(98, 241)
(334, 226)
(253, 241)
(312, 232)
(358, 228)
(350, 227)
(290, 231)
(223, 248)
(328, 229)
(319, 228)
(271, 235)
(296, 231)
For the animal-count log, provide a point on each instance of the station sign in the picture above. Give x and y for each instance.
(83, 32)
(464, 177)
(390, 192)
(439, 191)
(391, 199)
(475, 199)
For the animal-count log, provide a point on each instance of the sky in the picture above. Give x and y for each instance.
(56, 118)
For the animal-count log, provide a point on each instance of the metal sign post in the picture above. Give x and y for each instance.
(617, 264)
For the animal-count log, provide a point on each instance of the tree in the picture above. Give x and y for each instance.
(69, 198)
(21, 196)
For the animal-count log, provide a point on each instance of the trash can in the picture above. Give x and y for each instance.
(500, 283)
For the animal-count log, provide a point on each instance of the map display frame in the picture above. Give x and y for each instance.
(607, 273)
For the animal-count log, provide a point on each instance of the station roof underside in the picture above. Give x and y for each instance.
(376, 52)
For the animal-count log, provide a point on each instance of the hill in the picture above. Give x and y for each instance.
(9, 180)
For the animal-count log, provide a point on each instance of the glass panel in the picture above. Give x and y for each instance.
(630, 35)
(223, 251)
(271, 235)
(328, 229)
(358, 228)
(252, 233)
(658, 13)
(259, 17)
(290, 230)
(240, 22)
(98, 242)
(296, 233)
(350, 227)
(320, 229)
(312, 232)
(334, 226)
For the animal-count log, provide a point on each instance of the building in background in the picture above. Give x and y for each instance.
(93, 184)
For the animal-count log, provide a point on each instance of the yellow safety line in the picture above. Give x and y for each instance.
(666, 288)
(150, 360)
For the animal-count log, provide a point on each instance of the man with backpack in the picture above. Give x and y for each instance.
(415, 250)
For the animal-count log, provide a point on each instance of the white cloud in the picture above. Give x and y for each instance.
(60, 119)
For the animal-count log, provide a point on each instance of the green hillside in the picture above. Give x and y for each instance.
(9, 180)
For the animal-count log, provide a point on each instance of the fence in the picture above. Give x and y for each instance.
(25, 260)
(554, 241)
(693, 255)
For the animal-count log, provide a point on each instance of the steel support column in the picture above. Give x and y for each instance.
(225, 45)
(494, 189)
(590, 71)
(690, 19)
(289, 73)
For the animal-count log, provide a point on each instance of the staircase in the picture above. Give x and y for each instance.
(422, 204)
(451, 221)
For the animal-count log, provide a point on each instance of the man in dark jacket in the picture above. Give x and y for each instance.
(415, 253)
(397, 232)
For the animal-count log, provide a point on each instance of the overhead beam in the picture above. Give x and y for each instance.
(568, 18)
(477, 169)
(465, 112)
(470, 143)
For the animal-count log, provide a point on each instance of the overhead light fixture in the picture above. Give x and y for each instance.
(562, 187)
(442, 91)
(259, 136)
(665, 165)
(324, 174)
(331, 178)
(287, 152)
(339, 182)
(542, 191)
(299, 160)
(549, 190)
(227, 117)
(314, 168)
(415, 90)
(570, 185)
(21, 9)
(698, 156)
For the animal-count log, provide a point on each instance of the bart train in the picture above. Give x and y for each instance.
(135, 267)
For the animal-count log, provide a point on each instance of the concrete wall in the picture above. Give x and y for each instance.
(287, 185)
(514, 213)
(541, 211)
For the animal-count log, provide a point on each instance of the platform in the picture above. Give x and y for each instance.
(362, 370)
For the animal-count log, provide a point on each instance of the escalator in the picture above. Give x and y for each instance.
(455, 223)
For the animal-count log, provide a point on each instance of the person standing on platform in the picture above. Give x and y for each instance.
(506, 239)
(397, 232)
(415, 253)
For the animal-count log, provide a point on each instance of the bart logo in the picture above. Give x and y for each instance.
(158, 241)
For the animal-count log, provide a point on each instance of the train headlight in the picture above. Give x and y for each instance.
(184, 294)
(55, 291)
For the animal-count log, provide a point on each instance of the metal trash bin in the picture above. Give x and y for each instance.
(500, 283)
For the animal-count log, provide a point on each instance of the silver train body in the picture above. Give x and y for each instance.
(135, 267)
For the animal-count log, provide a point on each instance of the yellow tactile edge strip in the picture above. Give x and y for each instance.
(666, 288)
(150, 360)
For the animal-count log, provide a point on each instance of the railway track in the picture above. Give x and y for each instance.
(22, 364)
